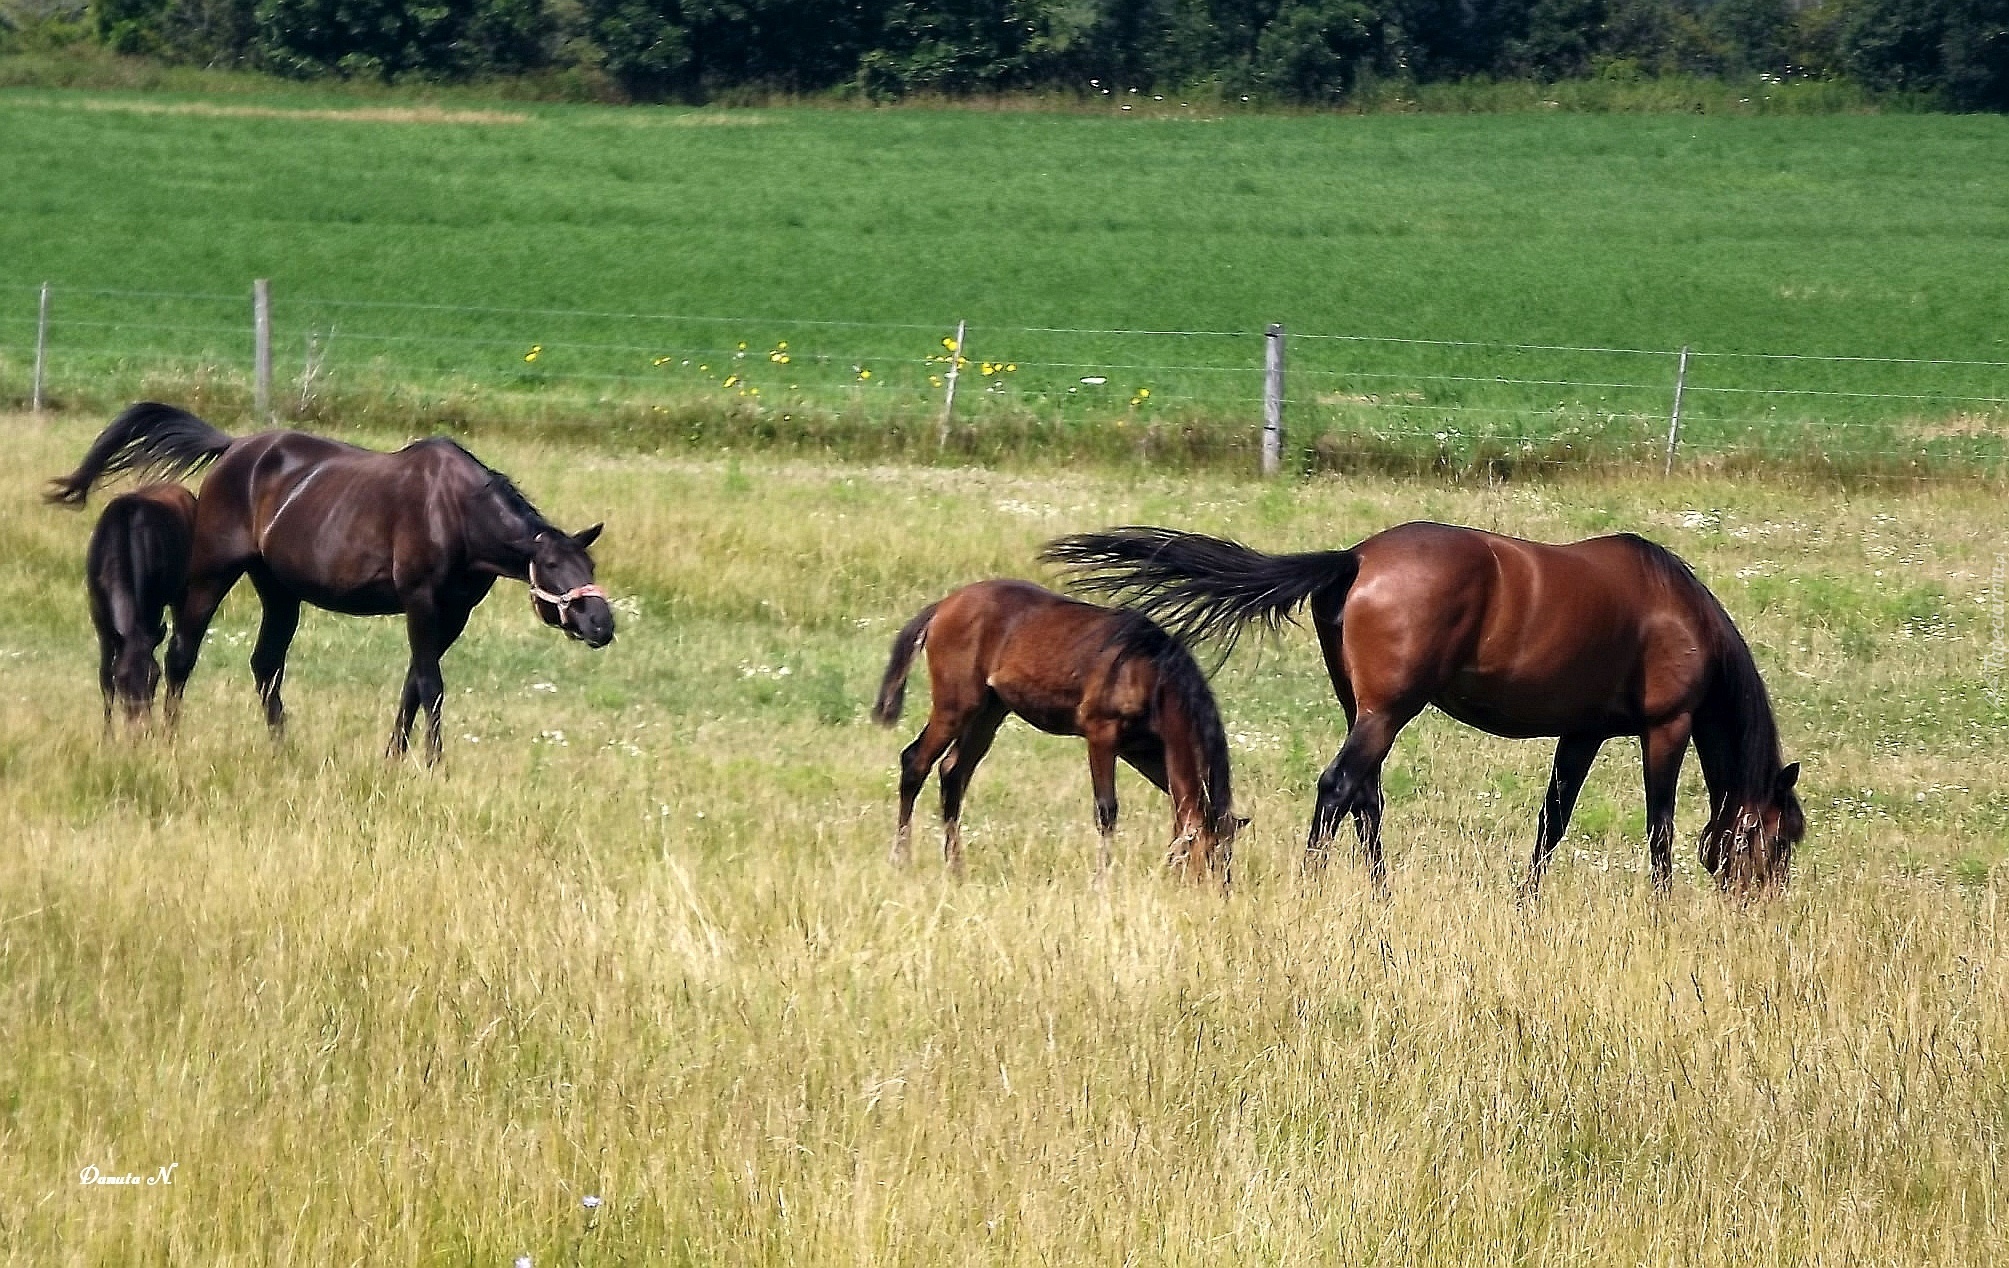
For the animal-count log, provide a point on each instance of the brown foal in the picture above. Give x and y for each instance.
(1115, 678)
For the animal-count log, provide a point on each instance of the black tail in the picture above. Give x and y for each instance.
(149, 440)
(1199, 587)
(893, 687)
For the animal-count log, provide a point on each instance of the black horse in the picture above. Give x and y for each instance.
(424, 532)
(135, 570)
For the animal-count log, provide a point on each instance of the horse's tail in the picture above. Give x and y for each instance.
(893, 687)
(149, 439)
(110, 569)
(1200, 587)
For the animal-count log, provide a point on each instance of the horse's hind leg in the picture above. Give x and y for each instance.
(915, 762)
(1352, 785)
(957, 767)
(1102, 775)
(268, 658)
(1662, 749)
(1574, 754)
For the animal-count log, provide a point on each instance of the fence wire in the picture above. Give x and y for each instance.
(1462, 398)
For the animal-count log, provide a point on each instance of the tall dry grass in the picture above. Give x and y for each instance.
(636, 938)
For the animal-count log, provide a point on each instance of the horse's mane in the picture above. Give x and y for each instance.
(1134, 634)
(502, 486)
(1737, 710)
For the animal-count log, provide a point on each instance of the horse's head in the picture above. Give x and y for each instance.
(1749, 842)
(1203, 851)
(135, 678)
(562, 588)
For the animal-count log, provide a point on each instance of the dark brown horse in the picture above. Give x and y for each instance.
(1608, 637)
(1070, 668)
(423, 532)
(134, 570)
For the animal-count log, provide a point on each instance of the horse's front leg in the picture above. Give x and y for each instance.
(424, 684)
(192, 616)
(1662, 749)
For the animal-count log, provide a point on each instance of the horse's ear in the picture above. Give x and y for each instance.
(586, 537)
(1784, 781)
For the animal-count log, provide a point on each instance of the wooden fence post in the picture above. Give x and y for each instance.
(1273, 399)
(949, 398)
(261, 330)
(41, 347)
(1674, 424)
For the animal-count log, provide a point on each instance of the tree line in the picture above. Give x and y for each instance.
(1953, 53)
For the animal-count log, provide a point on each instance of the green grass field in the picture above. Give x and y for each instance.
(636, 937)
(859, 238)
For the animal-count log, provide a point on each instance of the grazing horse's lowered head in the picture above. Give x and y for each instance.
(1748, 843)
(562, 590)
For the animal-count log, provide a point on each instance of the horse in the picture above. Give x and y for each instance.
(134, 570)
(1112, 677)
(1586, 642)
(424, 532)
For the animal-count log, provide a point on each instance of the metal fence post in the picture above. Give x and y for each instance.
(261, 330)
(1674, 423)
(949, 398)
(41, 347)
(1273, 399)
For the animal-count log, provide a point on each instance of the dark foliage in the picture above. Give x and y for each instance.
(1307, 51)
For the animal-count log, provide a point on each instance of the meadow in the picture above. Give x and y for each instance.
(786, 277)
(636, 938)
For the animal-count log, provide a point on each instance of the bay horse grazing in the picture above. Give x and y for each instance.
(1115, 678)
(134, 570)
(424, 532)
(1586, 642)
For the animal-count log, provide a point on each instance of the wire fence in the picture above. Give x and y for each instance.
(1463, 399)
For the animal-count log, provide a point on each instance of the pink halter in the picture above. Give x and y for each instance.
(562, 601)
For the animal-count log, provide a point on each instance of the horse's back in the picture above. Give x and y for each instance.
(983, 618)
(1621, 572)
(334, 523)
(1526, 638)
(1035, 649)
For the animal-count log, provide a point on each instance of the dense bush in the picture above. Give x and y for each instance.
(1310, 51)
